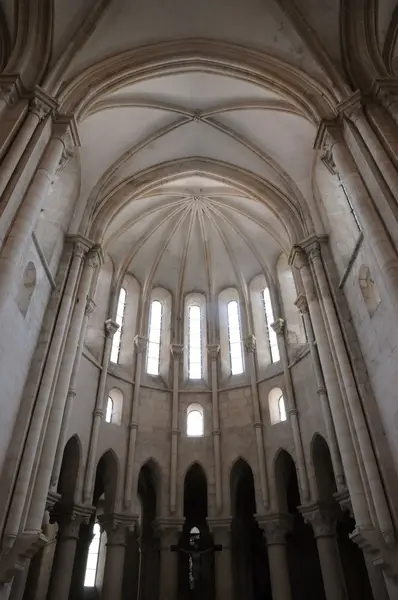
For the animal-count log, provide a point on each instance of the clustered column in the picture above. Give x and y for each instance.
(213, 351)
(177, 352)
(276, 527)
(250, 343)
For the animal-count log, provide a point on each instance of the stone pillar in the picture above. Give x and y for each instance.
(213, 351)
(221, 530)
(42, 482)
(116, 527)
(110, 329)
(279, 328)
(354, 402)
(375, 232)
(177, 352)
(141, 343)
(20, 234)
(302, 304)
(90, 307)
(323, 522)
(68, 533)
(43, 397)
(86, 535)
(275, 528)
(168, 531)
(348, 456)
(250, 344)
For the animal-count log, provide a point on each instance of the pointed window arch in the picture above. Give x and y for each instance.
(155, 328)
(195, 358)
(269, 319)
(234, 338)
(195, 421)
(117, 338)
(277, 406)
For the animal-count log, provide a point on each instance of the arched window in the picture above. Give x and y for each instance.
(117, 337)
(92, 559)
(195, 421)
(109, 410)
(277, 407)
(26, 288)
(282, 408)
(369, 290)
(155, 327)
(234, 338)
(269, 319)
(194, 342)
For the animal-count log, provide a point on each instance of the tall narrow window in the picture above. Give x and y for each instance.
(117, 338)
(195, 421)
(109, 410)
(269, 318)
(194, 343)
(234, 338)
(155, 326)
(282, 409)
(92, 559)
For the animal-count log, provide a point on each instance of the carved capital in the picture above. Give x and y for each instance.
(177, 351)
(351, 107)
(70, 517)
(141, 343)
(344, 500)
(213, 351)
(297, 257)
(322, 520)
(301, 303)
(275, 527)
(167, 530)
(111, 328)
(95, 257)
(90, 307)
(10, 89)
(278, 326)
(117, 526)
(250, 343)
(313, 251)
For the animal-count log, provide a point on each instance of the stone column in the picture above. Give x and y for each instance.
(90, 307)
(86, 536)
(213, 351)
(302, 305)
(354, 402)
(375, 231)
(250, 344)
(348, 456)
(275, 528)
(68, 533)
(279, 328)
(20, 234)
(221, 530)
(110, 329)
(141, 343)
(42, 482)
(177, 352)
(168, 531)
(323, 522)
(44, 396)
(116, 527)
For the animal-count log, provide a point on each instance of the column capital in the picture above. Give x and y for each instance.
(42, 104)
(111, 328)
(351, 107)
(95, 256)
(278, 326)
(275, 527)
(167, 530)
(69, 518)
(213, 351)
(65, 129)
(117, 526)
(301, 303)
(90, 307)
(297, 257)
(219, 523)
(385, 90)
(177, 351)
(141, 343)
(250, 343)
(344, 500)
(11, 89)
(322, 519)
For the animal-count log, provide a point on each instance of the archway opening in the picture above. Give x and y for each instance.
(249, 551)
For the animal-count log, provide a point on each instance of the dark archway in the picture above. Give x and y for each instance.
(304, 567)
(249, 551)
(146, 567)
(196, 533)
(69, 472)
(352, 558)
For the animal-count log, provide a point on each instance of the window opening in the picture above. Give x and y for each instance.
(155, 327)
(195, 425)
(92, 559)
(282, 408)
(194, 343)
(117, 337)
(269, 318)
(234, 338)
(109, 410)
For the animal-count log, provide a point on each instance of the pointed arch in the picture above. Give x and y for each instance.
(287, 489)
(70, 467)
(323, 469)
(106, 479)
(241, 477)
(195, 493)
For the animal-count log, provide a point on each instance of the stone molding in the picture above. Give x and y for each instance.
(141, 343)
(275, 527)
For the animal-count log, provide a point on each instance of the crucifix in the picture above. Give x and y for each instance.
(195, 555)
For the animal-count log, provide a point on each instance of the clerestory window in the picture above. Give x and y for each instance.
(155, 327)
(269, 319)
(234, 338)
(195, 342)
(117, 338)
